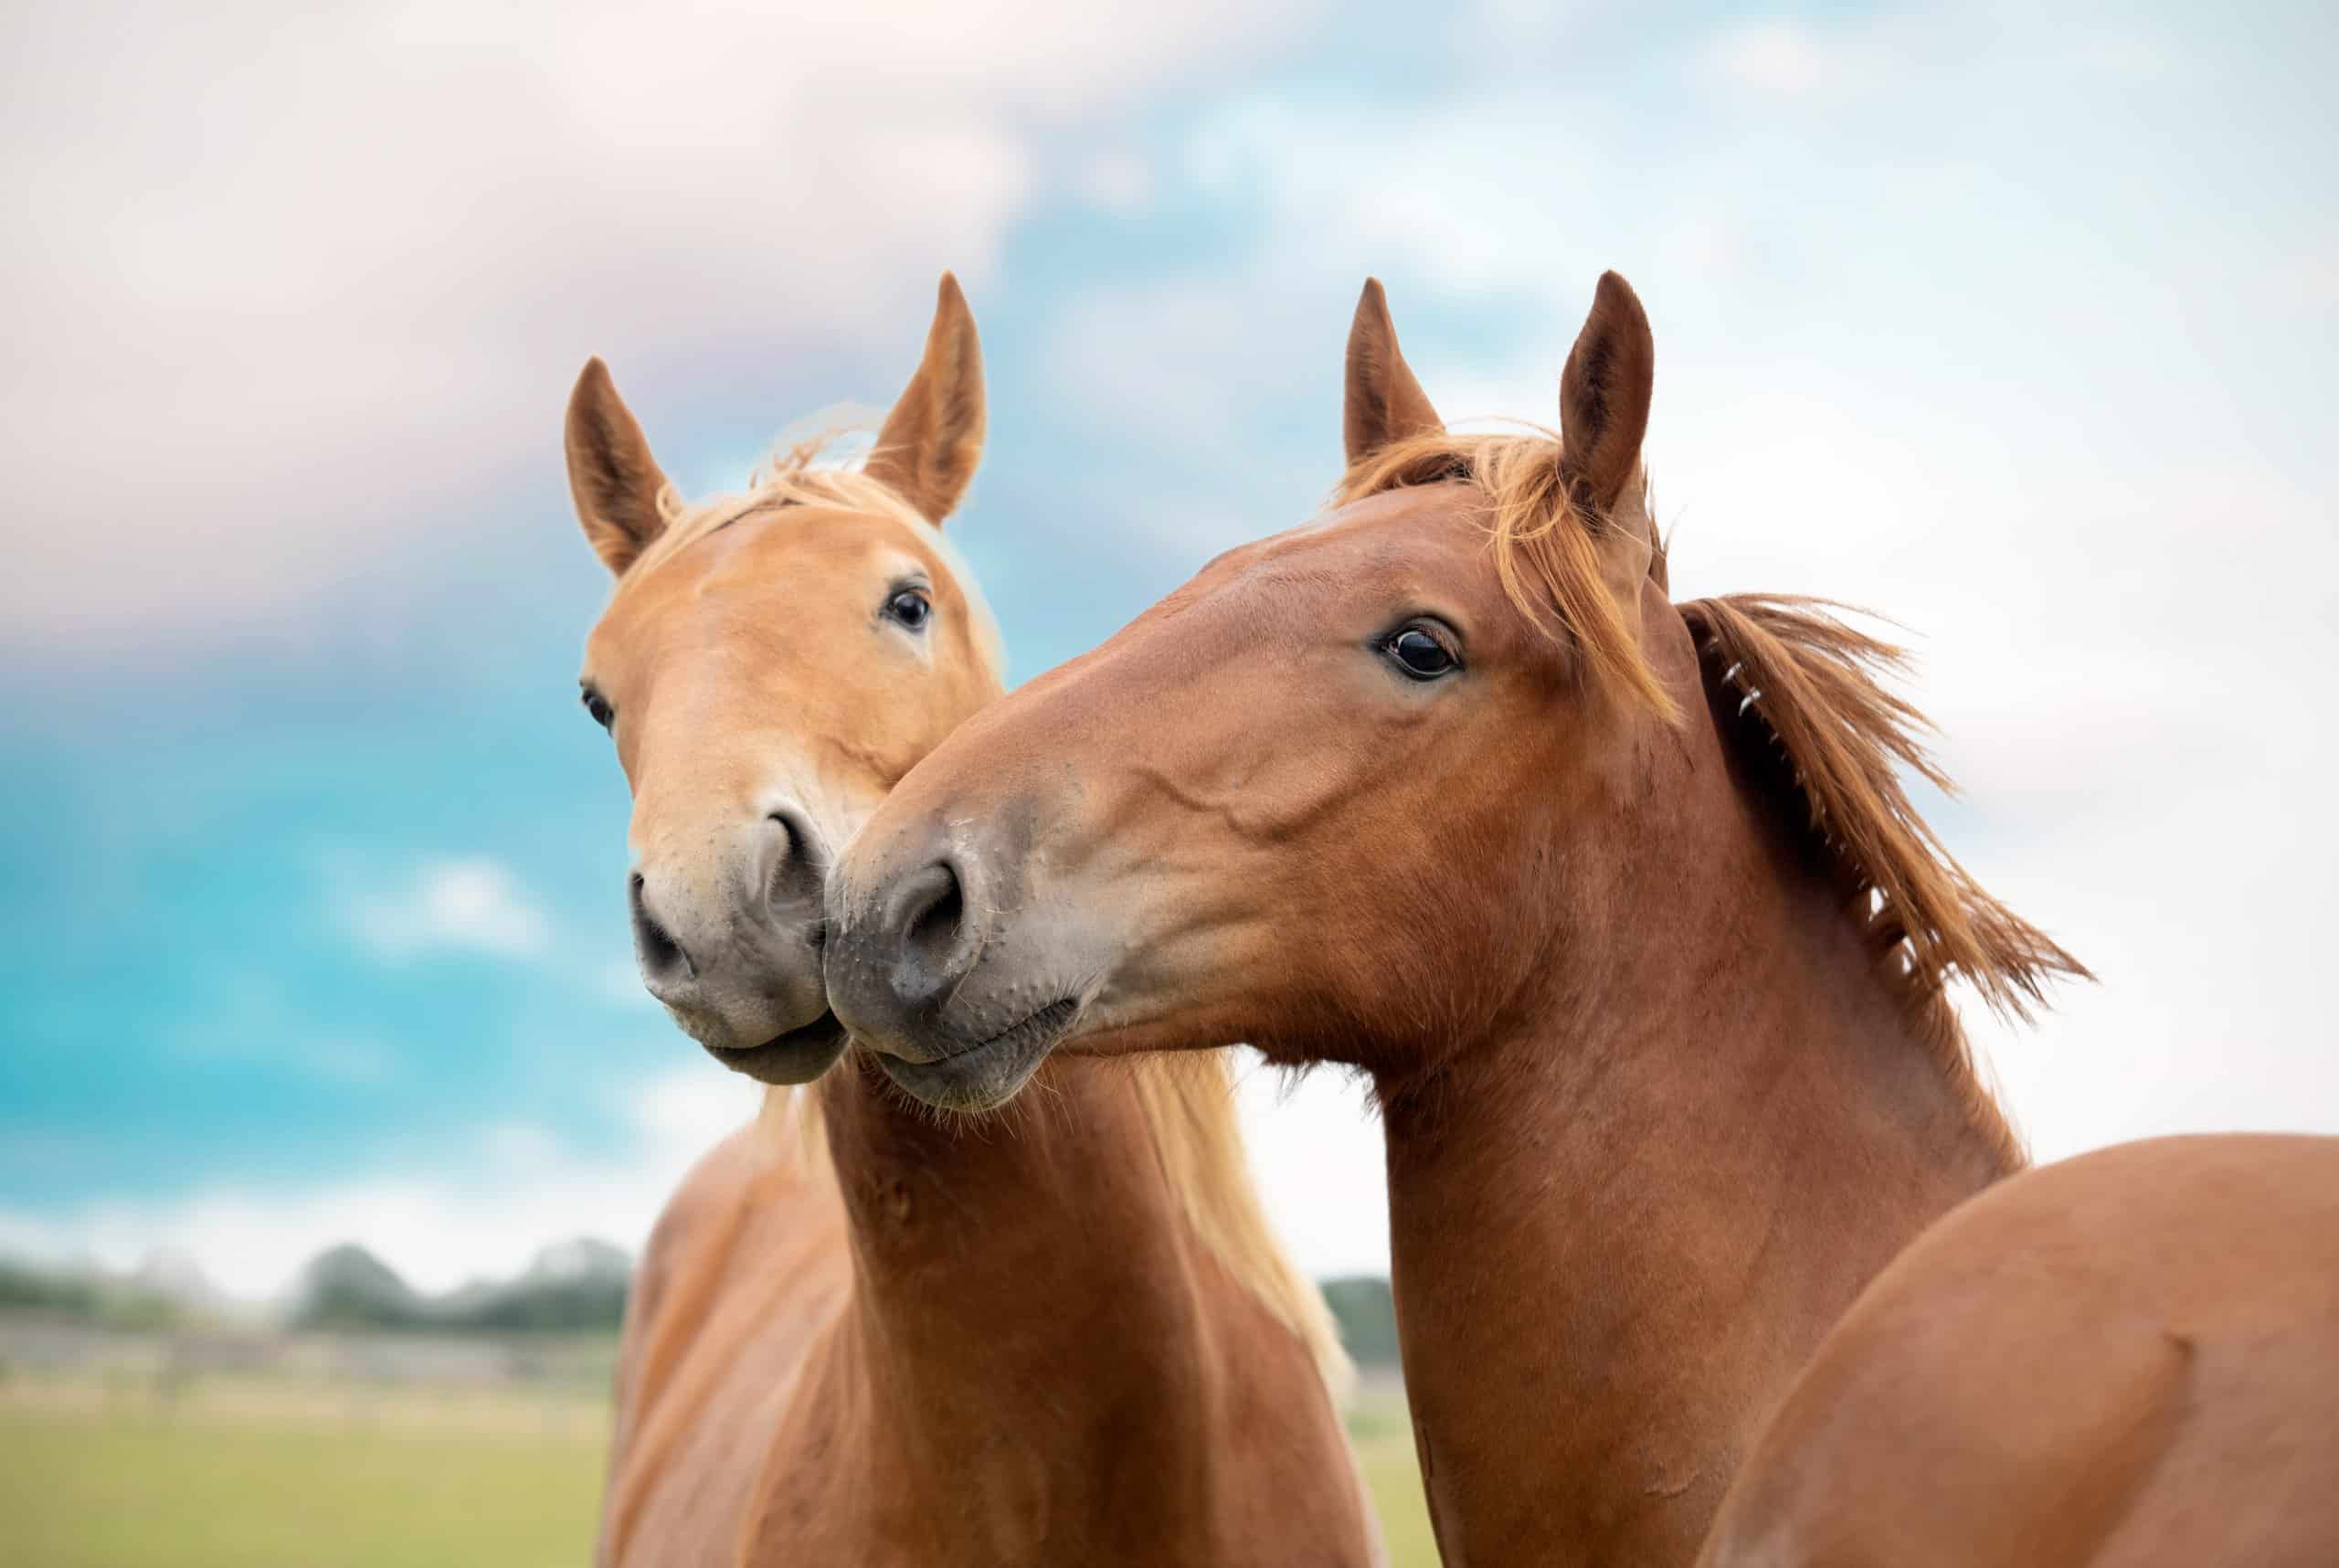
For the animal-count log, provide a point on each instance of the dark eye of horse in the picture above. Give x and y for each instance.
(598, 706)
(909, 608)
(1421, 654)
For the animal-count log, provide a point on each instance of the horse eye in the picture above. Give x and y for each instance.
(909, 608)
(1421, 654)
(598, 706)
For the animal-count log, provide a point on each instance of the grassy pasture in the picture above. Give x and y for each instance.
(239, 1472)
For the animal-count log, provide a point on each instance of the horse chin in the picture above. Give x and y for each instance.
(797, 1056)
(990, 1073)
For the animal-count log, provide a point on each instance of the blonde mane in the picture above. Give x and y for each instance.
(1189, 1101)
(1815, 717)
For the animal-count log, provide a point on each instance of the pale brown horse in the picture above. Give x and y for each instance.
(1619, 902)
(869, 1335)
(2129, 1360)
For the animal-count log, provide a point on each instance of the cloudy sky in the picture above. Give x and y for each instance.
(2019, 327)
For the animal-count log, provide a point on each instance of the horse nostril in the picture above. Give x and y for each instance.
(660, 954)
(934, 913)
(799, 868)
(899, 953)
(792, 843)
(932, 932)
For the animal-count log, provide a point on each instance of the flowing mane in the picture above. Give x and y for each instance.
(1816, 719)
(1189, 1101)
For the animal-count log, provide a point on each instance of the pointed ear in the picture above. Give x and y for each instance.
(1384, 403)
(1603, 414)
(934, 438)
(615, 480)
(1604, 396)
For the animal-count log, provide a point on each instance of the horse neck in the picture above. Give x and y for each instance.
(1025, 1287)
(1622, 1225)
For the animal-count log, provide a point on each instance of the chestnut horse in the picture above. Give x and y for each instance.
(870, 1335)
(1620, 903)
(2127, 1359)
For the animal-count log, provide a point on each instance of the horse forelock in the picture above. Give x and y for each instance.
(1545, 543)
(797, 476)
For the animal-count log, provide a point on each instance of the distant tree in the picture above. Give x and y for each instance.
(88, 1295)
(346, 1287)
(576, 1287)
(571, 1286)
(22, 1285)
(1368, 1317)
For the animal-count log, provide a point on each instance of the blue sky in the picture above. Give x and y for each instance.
(2018, 328)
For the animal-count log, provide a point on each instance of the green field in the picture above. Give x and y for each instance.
(251, 1473)
(1384, 1443)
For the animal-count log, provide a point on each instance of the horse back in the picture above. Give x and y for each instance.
(2124, 1360)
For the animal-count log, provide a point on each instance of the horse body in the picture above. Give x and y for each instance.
(2127, 1359)
(1619, 902)
(863, 1334)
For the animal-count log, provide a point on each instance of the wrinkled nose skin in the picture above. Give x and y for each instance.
(923, 964)
(731, 944)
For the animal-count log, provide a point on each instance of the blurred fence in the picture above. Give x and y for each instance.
(534, 1384)
(39, 1344)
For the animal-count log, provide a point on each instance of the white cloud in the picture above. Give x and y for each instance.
(1317, 1153)
(470, 904)
(521, 1148)
(284, 289)
(681, 1113)
(1115, 179)
(439, 1227)
(1786, 59)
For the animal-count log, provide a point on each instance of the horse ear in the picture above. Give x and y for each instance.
(615, 480)
(934, 438)
(1384, 402)
(1603, 414)
(1604, 396)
